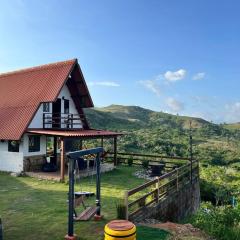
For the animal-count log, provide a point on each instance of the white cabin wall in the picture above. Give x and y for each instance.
(11, 161)
(43, 146)
(37, 121)
(72, 109)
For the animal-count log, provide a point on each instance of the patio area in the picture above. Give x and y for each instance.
(55, 176)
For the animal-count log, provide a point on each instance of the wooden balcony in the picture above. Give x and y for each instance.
(63, 120)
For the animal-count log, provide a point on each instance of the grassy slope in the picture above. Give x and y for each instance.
(232, 126)
(114, 115)
(33, 209)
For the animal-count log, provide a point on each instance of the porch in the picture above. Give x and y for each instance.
(56, 176)
(63, 138)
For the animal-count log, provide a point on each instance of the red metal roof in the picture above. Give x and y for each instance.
(22, 92)
(74, 133)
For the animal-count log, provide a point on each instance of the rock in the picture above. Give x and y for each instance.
(145, 174)
(17, 174)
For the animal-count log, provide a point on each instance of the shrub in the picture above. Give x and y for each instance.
(145, 164)
(130, 161)
(142, 202)
(121, 210)
(219, 222)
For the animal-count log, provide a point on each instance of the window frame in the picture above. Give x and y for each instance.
(36, 147)
(12, 148)
(66, 101)
(46, 107)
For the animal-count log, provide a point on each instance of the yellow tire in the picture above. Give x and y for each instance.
(120, 229)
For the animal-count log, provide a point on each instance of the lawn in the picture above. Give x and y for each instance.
(34, 209)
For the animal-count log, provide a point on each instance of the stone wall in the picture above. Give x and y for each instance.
(33, 163)
(175, 206)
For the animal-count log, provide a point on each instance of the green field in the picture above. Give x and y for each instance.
(33, 209)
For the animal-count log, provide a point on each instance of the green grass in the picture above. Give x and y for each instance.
(145, 233)
(34, 209)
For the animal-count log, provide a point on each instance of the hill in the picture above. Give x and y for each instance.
(158, 132)
(138, 117)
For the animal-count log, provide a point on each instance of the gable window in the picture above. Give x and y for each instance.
(34, 143)
(13, 146)
(46, 107)
(66, 106)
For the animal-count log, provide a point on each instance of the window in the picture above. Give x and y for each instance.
(66, 106)
(13, 146)
(34, 143)
(46, 107)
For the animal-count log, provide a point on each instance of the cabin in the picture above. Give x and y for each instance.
(44, 104)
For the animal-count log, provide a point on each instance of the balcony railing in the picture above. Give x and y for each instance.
(62, 120)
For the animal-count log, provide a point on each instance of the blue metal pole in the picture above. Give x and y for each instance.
(71, 198)
(98, 193)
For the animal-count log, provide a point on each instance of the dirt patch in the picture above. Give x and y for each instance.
(182, 231)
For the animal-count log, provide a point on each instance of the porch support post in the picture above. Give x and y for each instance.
(102, 142)
(115, 151)
(81, 144)
(55, 149)
(62, 162)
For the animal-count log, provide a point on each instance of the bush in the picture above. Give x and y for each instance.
(121, 210)
(142, 202)
(130, 161)
(219, 222)
(145, 164)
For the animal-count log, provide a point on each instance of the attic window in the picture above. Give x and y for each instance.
(13, 146)
(66, 106)
(34, 143)
(46, 107)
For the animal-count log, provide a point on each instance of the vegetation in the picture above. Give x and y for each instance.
(38, 210)
(162, 133)
(144, 233)
(222, 222)
(130, 161)
(121, 210)
(217, 146)
(145, 164)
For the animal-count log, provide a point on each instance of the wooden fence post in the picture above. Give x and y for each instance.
(1, 230)
(177, 181)
(62, 160)
(157, 186)
(126, 204)
(115, 151)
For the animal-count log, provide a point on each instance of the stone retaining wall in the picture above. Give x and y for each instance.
(175, 206)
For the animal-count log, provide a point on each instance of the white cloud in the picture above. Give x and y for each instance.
(175, 76)
(174, 105)
(232, 112)
(152, 85)
(105, 84)
(199, 76)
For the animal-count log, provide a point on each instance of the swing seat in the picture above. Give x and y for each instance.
(87, 214)
(85, 194)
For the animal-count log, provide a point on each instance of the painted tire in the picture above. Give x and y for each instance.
(120, 229)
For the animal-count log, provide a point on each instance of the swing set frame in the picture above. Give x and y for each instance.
(72, 157)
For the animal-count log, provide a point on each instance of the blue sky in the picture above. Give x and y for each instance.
(167, 55)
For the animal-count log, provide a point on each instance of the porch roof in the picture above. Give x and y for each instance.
(81, 133)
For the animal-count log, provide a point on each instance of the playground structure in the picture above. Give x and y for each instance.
(73, 197)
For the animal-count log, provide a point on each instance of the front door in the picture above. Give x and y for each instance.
(56, 114)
